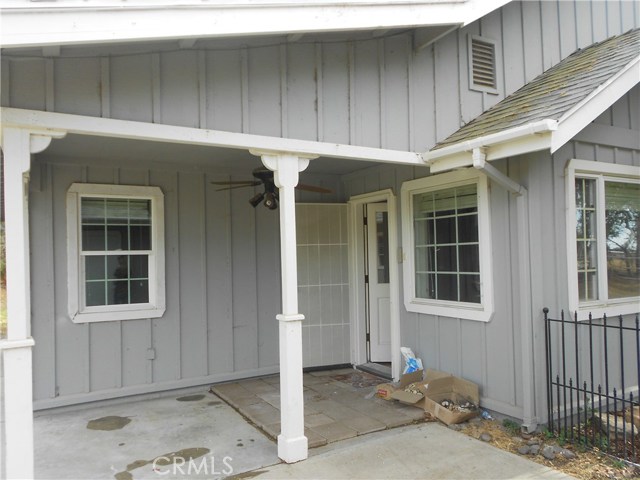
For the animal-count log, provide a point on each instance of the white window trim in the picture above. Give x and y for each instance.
(598, 170)
(470, 311)
(156, 306)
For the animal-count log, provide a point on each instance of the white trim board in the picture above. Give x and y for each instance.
(67, 22)
(107, 127)
(356, 282)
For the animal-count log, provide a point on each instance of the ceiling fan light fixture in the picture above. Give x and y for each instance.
(256, 199)
(271, 201)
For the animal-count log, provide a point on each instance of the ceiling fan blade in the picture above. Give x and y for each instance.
(240, 182)
(313, 188)
(233, 187)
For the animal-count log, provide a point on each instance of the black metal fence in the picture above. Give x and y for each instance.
(593, 369)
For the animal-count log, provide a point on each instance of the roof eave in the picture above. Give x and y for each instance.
(583, 113)
(514, 141)
(25, 24)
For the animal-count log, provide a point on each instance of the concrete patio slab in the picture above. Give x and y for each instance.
(426, 451)
(195, 435)
(99, 443)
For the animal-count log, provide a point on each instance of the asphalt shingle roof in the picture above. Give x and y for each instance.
(553, 93)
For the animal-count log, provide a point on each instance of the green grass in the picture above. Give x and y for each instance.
(511, 426)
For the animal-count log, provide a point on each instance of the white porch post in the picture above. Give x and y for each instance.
(292, 443)
(17, 400)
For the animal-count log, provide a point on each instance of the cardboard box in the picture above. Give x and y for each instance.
(441, 387)
(387, 390)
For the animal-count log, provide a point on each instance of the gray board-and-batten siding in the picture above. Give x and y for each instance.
(377, 92)
(222, 285)
(490, 353)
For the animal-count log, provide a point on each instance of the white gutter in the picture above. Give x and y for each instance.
(516, 133)
(529, 421)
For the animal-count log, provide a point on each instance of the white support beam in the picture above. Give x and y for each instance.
(17, 434)
(292, 443)
(108, 127)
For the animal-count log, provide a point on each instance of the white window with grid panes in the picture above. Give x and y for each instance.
(446, 243)
(115, 252)
(602, 238)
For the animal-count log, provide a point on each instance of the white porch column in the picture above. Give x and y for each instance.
(17, 400)
(292, 443)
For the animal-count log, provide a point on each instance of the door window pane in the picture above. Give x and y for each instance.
(382, 247)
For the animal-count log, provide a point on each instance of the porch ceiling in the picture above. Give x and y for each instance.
(76, 147)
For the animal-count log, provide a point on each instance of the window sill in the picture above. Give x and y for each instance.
(110, 316)
(611, 309)
(453, 310)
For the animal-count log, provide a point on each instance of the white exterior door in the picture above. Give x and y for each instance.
(379, 307)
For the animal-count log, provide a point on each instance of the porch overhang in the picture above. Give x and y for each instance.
(26, 132)
(69, 22)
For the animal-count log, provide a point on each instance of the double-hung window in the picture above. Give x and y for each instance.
(447, 269)
(115, 252)
(603, 219)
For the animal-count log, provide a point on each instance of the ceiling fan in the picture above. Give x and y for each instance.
(270, 195)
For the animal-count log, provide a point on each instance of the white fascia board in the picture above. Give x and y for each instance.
(515, 141)
(49, 122)
(35, 24)
(585, 112)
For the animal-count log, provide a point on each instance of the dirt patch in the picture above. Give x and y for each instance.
(587, 464)
(358, 379)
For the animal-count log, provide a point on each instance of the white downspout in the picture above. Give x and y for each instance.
(530, 422)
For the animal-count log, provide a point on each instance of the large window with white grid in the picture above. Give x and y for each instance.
(446, 245)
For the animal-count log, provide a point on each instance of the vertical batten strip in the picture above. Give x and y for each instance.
(411, 58)
(319, 93)
(156, 112)
(179, 282)
(352, 94)
(105, 87)
(244, 73)
(203, 271)
(284, 97)
(49, 97)
(202, 88)
(382, 92)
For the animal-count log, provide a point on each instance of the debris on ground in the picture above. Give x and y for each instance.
(546, 450)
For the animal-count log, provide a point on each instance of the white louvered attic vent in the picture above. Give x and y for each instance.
(482, 64)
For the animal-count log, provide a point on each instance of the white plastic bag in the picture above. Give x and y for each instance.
(412, 363)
